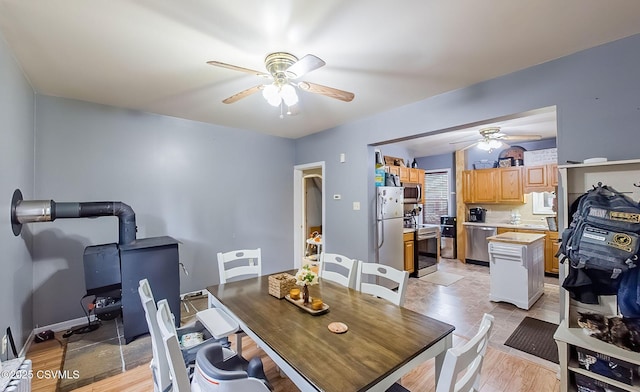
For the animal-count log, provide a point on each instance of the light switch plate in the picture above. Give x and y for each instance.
(356, 206)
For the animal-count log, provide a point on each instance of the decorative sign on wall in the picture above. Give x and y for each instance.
(540, 157)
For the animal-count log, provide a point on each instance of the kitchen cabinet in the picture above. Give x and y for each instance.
(550, 246)
(569, 336)
(493, 186)
(550, 250)
(510, 185)
(409, 252)
(404, 173)
(543, 178)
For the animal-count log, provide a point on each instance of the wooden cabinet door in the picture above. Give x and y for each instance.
(414, 175)
(551, 248)
(467, 186)
(510, 185)
(535, 177)
(394, 170)
(404, 174)
(552, 175)
(484, 186)
(408, 256)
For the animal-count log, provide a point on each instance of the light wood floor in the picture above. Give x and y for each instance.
(501, 372)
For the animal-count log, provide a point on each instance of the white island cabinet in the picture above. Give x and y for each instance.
(516, 268)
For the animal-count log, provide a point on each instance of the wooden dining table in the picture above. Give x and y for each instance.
(383, 341)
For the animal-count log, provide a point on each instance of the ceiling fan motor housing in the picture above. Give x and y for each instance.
(277, 64)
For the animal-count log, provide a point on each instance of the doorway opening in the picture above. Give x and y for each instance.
(309, 212)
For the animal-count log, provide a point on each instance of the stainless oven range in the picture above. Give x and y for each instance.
(426, 249)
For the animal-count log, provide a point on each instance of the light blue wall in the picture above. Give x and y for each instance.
(595, 91)
(17, 101)
(216, 188)
(212, 188)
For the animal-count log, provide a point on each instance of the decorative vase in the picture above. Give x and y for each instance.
(305, 294)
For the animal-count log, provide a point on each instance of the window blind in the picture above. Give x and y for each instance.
(436, 196)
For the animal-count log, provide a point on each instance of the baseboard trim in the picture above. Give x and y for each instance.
(65, 325)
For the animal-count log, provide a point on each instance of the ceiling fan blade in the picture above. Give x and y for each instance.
(236, 68)
(243, 94)
(328, 91)
(521, 137)
(464, 141)
(305, 65)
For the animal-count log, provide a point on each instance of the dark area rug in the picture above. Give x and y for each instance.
(535, 337)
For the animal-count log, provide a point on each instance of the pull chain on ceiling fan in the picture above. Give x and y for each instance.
(283, 70)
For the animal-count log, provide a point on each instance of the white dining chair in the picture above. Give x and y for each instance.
(159, 365)
(338, 268)
(235, 264)
(246, 262)
(365, 283)
(216, 370)
(466, 358)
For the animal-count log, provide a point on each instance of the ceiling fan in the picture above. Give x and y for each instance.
(491, 138)
(284, 70)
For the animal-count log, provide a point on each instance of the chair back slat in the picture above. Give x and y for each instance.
(159, 365)
(338, 263)
(467, 358)
(229, 267)
(368, 270)
(177, 369)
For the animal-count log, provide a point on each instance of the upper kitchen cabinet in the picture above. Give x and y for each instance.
(510, 185)
(484, 186)
(542, 178)
(493, 186)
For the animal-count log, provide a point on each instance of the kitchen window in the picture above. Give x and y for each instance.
(436, 195)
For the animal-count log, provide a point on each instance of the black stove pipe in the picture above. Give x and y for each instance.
(26, 211)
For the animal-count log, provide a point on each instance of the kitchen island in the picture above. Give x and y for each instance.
(516, 262)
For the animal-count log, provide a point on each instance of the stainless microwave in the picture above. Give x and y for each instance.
(412, 193)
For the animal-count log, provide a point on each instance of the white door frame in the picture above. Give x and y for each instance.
(298, 210)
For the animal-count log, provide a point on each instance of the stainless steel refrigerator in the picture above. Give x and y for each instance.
(389, 222)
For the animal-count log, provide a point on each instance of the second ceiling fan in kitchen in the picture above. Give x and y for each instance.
(283, 72)
(492, 138)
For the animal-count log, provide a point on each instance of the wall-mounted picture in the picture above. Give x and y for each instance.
(505, 162)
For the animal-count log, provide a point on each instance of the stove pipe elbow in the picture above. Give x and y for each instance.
(26, 211)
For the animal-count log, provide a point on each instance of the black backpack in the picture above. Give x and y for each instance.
(603, 233)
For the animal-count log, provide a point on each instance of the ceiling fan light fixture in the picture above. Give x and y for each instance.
(484, 145)
(493, 143)
(271, 94)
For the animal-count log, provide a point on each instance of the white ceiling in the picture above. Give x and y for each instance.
(541, 122)
(151, 55)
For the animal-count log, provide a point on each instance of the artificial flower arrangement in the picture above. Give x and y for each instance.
(306, 277)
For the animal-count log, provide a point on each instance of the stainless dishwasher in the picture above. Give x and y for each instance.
(477, 244)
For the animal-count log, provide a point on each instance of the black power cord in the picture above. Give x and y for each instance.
(90, 327)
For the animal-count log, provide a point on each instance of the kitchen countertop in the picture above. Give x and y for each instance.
(408, 230)
(516, 238)
(529, 226)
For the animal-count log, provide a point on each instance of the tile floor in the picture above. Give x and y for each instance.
(464, 302)
(103, 353)
(461, 304)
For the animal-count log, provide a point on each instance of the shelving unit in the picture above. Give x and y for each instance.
(574, 181)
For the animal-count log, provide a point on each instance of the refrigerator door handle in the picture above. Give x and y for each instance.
(381, 232)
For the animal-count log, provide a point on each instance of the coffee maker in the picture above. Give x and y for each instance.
(477, 214)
